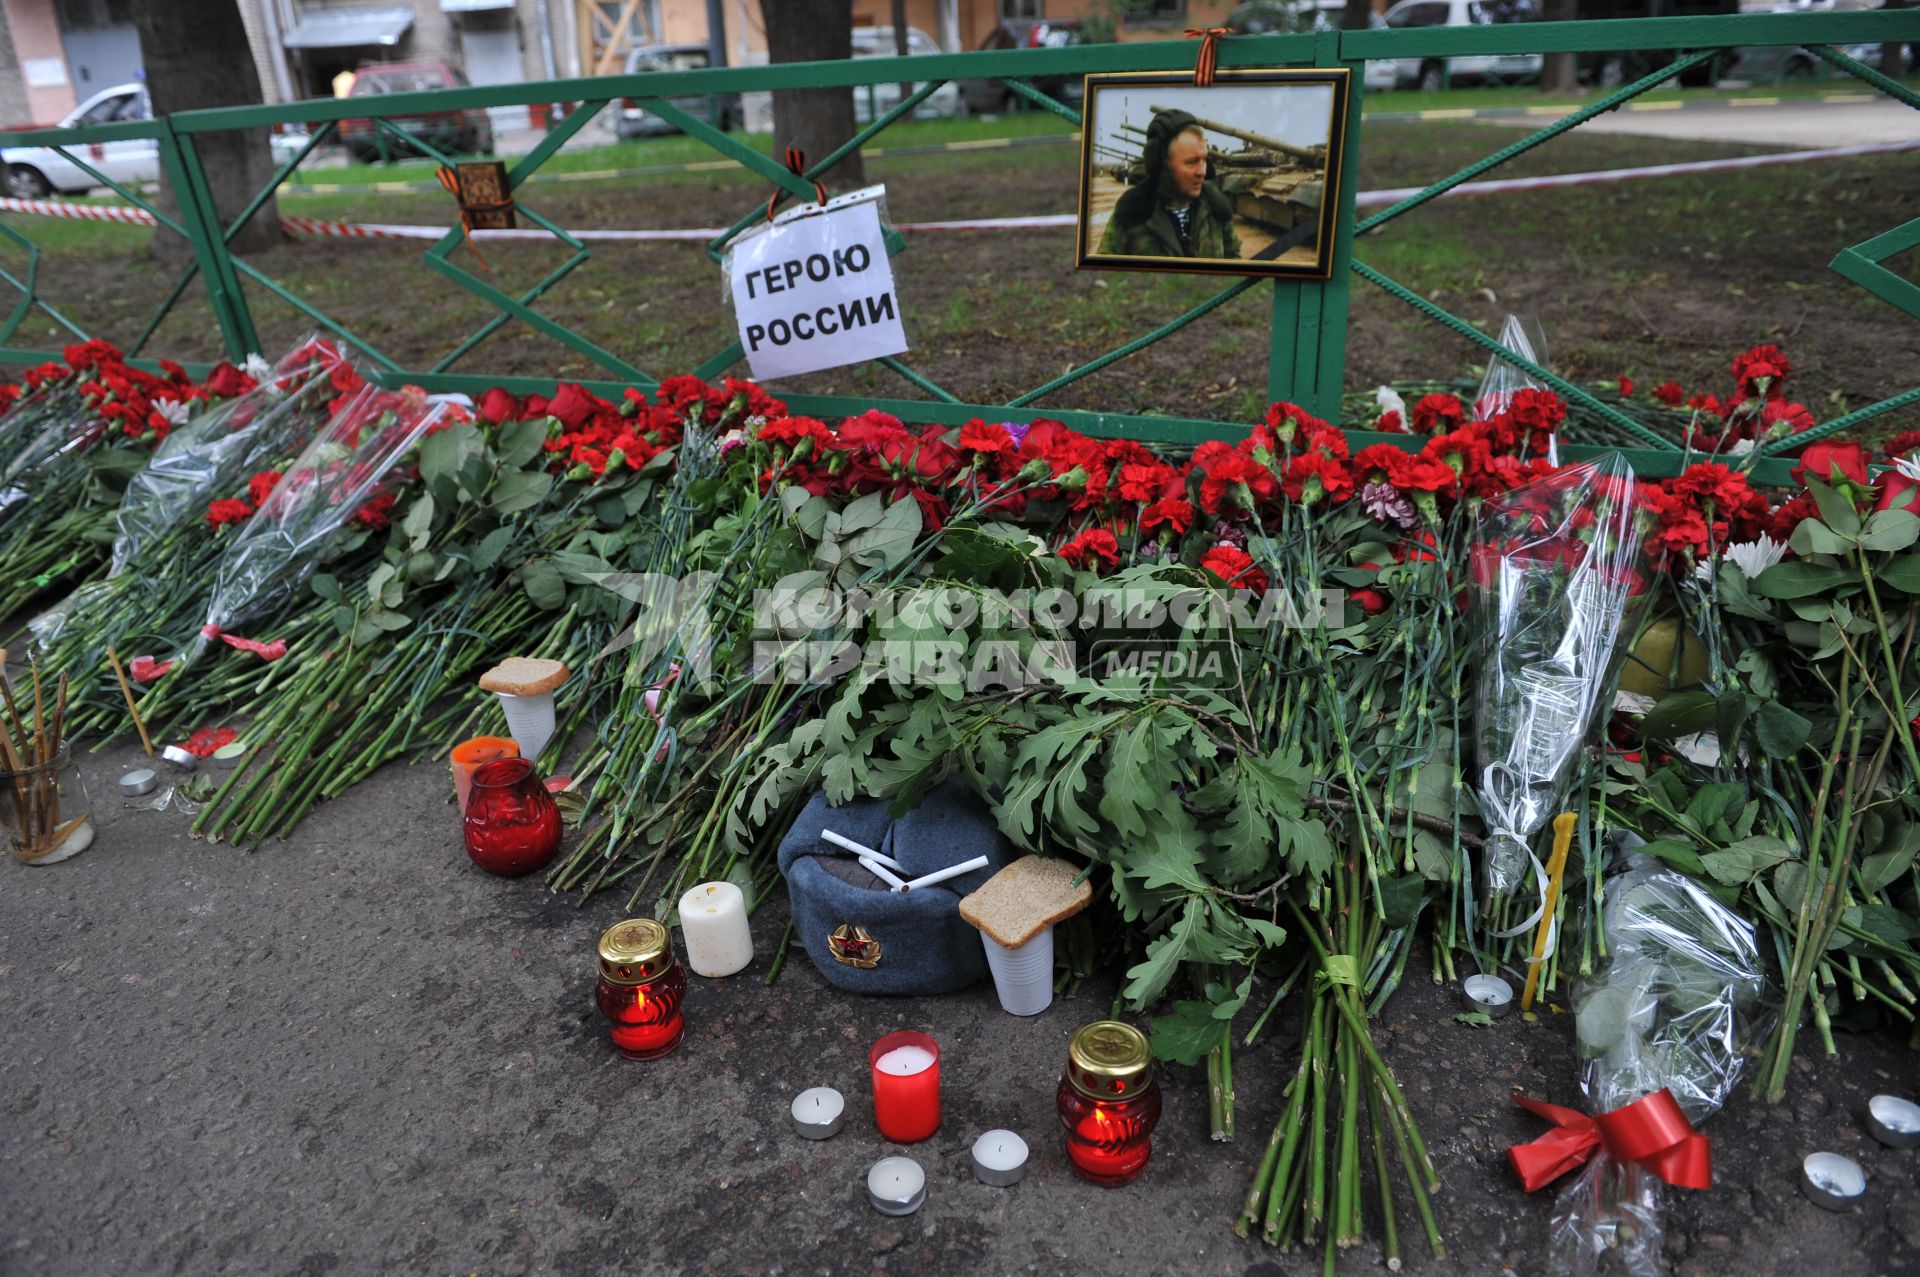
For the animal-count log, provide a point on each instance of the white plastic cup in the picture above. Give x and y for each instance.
(529, 721)
(1022, 977)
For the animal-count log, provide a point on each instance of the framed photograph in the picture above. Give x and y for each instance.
(1240, 178)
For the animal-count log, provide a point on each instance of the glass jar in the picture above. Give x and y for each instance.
(512, 824)
(45, 811)
(640, 988)
(1109, 1102)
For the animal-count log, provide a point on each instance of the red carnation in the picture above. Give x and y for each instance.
(1903, 443)
(1170, 513)
(1372, 602)
(1096, 548)
(1626, 387)
(228, 510)
(1144, 483)
(204, 742)
(1762, 364)
(261, 486)
(1235, 483)
(1313, 475)
(985, 437)
(1438, 412)
(1235, 567)
(375, 514)
(1669, 392)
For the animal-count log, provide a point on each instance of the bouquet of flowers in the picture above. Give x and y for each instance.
(1662, 1028)
(1558, 571)
(344, 473)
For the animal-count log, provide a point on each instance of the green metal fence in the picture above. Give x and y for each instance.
(1307, 345)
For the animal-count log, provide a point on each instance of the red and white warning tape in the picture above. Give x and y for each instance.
(1366, 199)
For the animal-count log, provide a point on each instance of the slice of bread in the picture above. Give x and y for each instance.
(1026, 898)
(524, 676)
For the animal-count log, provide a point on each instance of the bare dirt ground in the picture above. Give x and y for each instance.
(1653, 279)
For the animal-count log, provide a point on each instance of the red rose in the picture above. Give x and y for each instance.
(497, 407)
(375, 513)
(1235, 567)
(1897, 492)
(572, 405)
(1096, 548)
(228, 510)
(1833, 463)
(226, 381)
(1669, 392)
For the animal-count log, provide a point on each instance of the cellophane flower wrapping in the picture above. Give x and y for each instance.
(353, 460)
(1679, 999)
(55, 419)
(1559, 571)
(218, 449)
(1503, 378)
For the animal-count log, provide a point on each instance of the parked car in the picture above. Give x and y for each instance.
(872, 99)
(719, 109)
(34, 172)
(466, 132)
(1430, 74)
(989, 96)
(1797, 62)
(1281, 17)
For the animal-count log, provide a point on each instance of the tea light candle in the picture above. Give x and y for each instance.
(999, 1158)
(819, 1113)
(1832, 1181)
(906, 1086)
(713, 922)
(1488, 993)
(896, 1186)
(1894, 1122)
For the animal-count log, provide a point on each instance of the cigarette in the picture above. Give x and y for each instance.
(885, 875)
(860, 849)
(951, 871)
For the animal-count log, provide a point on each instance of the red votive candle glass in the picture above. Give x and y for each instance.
(640, 988)
(512, 825)
(906, 1086)
(1109, 1102)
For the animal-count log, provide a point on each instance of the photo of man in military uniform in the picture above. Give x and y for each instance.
(1174, 211)
(1240, 176)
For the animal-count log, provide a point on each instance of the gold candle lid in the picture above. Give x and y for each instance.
(1109, 1060)
(635, 951)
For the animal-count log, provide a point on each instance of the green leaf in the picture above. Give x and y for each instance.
(519, 442)
(1836, 511)
(492, 546)
(389, 620)
(418, 525)
(1903, 574)
(1677, 853)
(1136, 780)
(1712, 802)
(327, 586)
(520, 490)
(1401, 898)
(1798, 579)
(1890, 530)
(1884, 868)
(1740, 863)
(1815, 537)
(444, 454)
(1147, 979)
(544, 584)
(1681, 714)
(1478, 1019)
(1188, 1034)
(1780, 731)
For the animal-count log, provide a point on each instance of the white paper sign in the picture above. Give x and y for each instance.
(816, 292)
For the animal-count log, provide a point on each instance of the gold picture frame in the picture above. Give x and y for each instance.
(1268, 203)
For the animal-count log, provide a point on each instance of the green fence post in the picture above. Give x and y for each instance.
(1307, 345)
(180, 161)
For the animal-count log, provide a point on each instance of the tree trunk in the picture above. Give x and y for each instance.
(1357, 15)
(815, 120)
(900, 42)
(196, 56)
(1893, 60)
(1560, 72)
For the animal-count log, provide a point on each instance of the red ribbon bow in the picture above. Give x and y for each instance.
(1203, 67)
(796, 165)
(1651, 1131)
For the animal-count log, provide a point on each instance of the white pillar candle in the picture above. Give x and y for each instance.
(713, 922)
(896, 1186)
(819, 1113)
(904, 1061)
(999, 1158)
